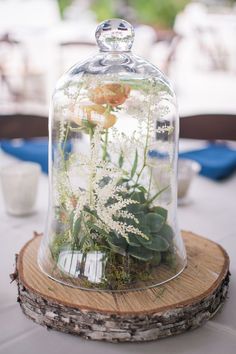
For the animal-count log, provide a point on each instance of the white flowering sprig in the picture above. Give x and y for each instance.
(104, 196)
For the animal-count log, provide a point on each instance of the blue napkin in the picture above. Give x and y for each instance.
(35, 150)
(218, 161)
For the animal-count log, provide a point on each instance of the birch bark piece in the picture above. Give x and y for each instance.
(184, 303)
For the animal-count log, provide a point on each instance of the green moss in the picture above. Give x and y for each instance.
(59, 242)
(169, 258)
(120, 272)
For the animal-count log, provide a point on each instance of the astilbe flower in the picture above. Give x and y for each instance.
(104, 195)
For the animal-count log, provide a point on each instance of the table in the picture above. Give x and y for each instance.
(211, 212)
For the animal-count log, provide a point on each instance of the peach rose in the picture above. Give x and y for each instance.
(97, 114)
(112, 94)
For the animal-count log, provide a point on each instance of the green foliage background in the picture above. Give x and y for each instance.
(63, 4)
(161, 13)
(154, 12)
(158, 12)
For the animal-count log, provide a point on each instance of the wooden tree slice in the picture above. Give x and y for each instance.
(183, 303)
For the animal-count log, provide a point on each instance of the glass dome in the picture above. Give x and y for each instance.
(113, 143)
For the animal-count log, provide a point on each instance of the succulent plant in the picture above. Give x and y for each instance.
(153, 223)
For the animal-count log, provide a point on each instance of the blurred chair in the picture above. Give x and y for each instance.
(172, 53)
(213, 46)
(9, 48)
(208, 127)
(163, 53)
(23, 126)
(73, 52)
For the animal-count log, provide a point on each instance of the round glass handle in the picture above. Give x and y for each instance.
(115, 35)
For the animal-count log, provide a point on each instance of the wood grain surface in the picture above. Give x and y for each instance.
(180, 304)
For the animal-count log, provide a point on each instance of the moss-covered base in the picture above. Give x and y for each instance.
(128, 273)
(109, 270)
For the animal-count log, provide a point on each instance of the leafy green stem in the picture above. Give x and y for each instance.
(148, 202)
(66, 137)
(150, 183)
(62, 153)
(146, 143)
(104, 153)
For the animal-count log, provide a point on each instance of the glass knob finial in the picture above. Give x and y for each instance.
(115, 35)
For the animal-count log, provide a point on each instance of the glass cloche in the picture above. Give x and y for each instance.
(113, 136)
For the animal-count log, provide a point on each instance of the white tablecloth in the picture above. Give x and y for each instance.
(211, 212)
